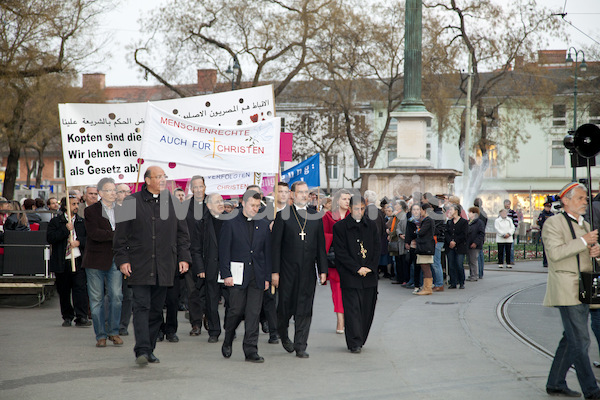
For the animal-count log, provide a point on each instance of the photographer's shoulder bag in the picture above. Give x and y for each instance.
(589, 282)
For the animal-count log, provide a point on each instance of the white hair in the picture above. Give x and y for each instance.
(370, 196)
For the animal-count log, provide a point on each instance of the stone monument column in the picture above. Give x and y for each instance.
(412, 115)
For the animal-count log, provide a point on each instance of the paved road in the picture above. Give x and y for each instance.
(449, 345)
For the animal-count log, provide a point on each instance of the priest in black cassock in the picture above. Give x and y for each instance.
(357, 248)
(298, 244)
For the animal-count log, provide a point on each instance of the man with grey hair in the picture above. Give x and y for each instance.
(378, 216)
(104, 281)
(570, 248)
(90, 196)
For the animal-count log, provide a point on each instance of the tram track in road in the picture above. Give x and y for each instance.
(510, 326)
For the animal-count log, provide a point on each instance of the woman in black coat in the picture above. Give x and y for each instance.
(475, 239)
(455, 245)
(425, 249)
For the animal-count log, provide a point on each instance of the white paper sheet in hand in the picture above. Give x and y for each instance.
(237, 273)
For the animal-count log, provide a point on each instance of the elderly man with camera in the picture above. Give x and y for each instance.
(570, 246)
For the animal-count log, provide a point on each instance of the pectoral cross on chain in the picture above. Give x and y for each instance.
(302, 234)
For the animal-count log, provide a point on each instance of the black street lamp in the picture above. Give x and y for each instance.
(234, 70)
(583, 68)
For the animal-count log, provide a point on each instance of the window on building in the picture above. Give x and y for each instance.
(333, 125)
(380, 114)
(356, 170)
(282, 124)
(332, 167)
(307, 124)
(59, 170)
(359, 121)
(595, 113)
(559, 115)
(34, 169)
(558, 153)
(428, 151)
(393, 128)
(490, 114)
(392, 153)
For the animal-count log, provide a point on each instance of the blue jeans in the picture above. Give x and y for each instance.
(481, 261)
(512, 252)
(99, 282)
(595, 318)
(456, 269)
(436, 267)
(573, 350)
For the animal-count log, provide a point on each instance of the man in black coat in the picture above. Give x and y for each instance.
(356, 244)
(205, 260)
(196, 292)
(246, 241)
(298, 242)
(69, 282)
(150, 242)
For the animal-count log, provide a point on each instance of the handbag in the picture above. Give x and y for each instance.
(394, 247)
(589, 282)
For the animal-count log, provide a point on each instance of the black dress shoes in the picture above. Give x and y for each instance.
(172, 337)
(287, 345)
(66, 322)
(356, 350)
(82, 322)
(273, 340)
(265, 326)
(161, 336)
(226, 350)
(255, 358)
(213, 339)
(563, 392)
(153, 359)
(301, 354)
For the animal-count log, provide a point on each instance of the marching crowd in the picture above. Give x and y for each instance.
(115, 255)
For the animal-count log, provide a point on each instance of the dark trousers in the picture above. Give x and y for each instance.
(402, 268)
(301, 323)
(195, 298)
(504, 248)
(126, 306)
(544, 259)
(169, 325)
(359, 309)
(148, 302)
(573, 350)
(72, 284)
(244, 303)
(213, 295)
(269, 312)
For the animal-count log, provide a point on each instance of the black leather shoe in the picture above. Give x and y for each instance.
(590, 396)
(153, 359)
(274, 340)
(195, 331)
(161, 336)
(452, 287)
(213, 339)
(82, 322)
(288, 345)
(226, 350)
(301, 354)
(565, 392)
(255, 358)
(265, 326)
(172, 337)
(356, 350)
(66, 322)
(123, 332)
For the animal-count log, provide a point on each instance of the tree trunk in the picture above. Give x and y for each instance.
(40, 170)
(10, 175)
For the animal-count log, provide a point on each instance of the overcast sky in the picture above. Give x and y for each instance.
(123, 24)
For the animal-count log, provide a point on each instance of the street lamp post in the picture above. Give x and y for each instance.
(583, 68)
(233, 69)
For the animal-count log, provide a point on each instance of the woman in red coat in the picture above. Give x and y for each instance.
(341, 203)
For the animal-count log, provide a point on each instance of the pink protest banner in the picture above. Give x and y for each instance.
(286, 139)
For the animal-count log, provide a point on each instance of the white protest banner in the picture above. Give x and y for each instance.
(101, 140)
(179, 142)
(229, 183)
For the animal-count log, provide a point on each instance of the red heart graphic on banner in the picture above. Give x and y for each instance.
(254, 118)
(172, 165)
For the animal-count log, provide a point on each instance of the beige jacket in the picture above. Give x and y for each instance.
(561, 251)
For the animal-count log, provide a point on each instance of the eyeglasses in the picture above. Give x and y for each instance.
(124, 191)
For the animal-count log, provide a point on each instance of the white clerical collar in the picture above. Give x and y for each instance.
(155, 195)
(300, 208)
(358, 220)
(579, 220)
(248, 219)
(280, 208)
(216, 216)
